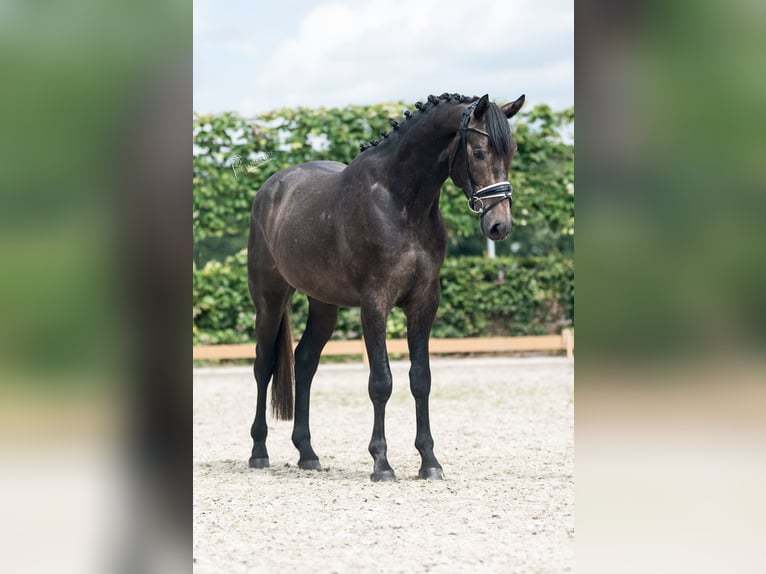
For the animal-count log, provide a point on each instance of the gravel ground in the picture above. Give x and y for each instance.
(503, 429)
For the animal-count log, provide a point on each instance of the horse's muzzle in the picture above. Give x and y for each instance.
(496, 230)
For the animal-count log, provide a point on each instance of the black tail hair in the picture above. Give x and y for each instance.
(283, 382)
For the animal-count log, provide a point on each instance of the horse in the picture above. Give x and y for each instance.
(370, 234)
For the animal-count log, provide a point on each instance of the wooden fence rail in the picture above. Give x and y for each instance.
(562, 342)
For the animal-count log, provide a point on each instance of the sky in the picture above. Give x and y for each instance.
(252, 56)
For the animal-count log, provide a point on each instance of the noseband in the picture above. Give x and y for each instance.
(499, 191)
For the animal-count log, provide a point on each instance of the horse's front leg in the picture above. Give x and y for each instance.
(380, 385)
(420, 317)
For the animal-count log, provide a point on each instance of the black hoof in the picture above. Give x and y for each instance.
(431, 474)
(383, 476)
(259, 462)
(309, 464)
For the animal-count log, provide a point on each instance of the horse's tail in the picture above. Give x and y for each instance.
(284, 371)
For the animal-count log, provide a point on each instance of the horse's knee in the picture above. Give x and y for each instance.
(380, 386)
(420, 381)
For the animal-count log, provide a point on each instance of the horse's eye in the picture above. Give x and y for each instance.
(478, 154)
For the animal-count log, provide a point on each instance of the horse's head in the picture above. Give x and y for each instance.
(480, 156)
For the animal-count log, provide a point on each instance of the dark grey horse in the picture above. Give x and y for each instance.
(370, 235)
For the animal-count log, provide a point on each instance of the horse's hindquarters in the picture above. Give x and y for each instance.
(300, 219)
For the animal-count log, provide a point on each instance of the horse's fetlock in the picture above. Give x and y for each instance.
(377, 447)
(425, 443)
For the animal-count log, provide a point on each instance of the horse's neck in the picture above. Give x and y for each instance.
(420, 159)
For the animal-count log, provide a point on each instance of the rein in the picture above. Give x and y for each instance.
(501, 190)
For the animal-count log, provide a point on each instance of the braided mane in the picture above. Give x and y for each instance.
(421, 108)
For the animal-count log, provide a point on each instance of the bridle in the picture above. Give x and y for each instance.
(501, 190)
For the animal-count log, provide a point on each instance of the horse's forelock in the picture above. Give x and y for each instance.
(498, 129)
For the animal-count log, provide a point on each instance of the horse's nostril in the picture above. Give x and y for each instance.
(494, 231)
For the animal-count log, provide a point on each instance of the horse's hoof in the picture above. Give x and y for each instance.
(431, 474)
(309, 464)
(383, 476)
(259, 462)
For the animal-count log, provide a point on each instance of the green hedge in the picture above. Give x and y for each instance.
(480, 297)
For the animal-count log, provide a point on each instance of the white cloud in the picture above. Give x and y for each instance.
(387, 50)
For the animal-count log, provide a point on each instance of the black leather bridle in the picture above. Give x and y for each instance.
(499, 191)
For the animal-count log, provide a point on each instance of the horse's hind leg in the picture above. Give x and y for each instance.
(319, 328)
(270, 298)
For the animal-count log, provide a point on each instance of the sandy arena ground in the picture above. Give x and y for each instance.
(503, 429)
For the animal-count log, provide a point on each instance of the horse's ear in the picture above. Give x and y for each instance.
(511, 109)
(481, 106)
